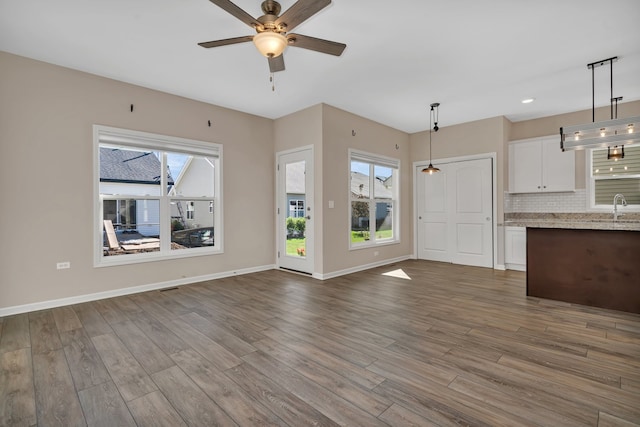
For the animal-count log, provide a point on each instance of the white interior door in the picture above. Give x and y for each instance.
(455, 213)
(433, 229)
(295, 210)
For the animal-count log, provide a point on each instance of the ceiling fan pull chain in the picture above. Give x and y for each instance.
(272, 79)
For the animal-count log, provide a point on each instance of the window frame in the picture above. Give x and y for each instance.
(110, 136)
(296, 209)
(375, 160)
(191, 210)
(590, 186)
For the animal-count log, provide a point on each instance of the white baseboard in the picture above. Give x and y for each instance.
(359, 268)
(499, 267)
(7, 311)
(517, 267)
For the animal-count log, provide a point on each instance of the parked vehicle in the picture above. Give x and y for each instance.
(194, 237)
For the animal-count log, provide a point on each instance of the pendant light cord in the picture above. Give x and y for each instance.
(430, 116)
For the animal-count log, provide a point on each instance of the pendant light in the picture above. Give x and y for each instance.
(432, 115)
(616, 154)
(608, 133)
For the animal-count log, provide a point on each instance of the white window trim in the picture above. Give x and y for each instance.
(590, 189)
(296, 210)
(191, 209)
(380, 160)
(125, 137)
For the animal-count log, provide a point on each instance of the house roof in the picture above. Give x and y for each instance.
(360, 186)
(130, 166)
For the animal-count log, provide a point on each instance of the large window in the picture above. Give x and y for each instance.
(374, 206)
(157, 197)
(610, 177)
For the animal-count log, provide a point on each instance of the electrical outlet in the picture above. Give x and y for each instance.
(63, 265)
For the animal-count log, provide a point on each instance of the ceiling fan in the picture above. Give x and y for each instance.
(272, 30)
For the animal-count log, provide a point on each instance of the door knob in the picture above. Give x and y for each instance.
(308, 217)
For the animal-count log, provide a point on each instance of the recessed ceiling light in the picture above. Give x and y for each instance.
(528, 100)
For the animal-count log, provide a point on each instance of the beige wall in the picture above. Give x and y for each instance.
(301, 129)
(46, 118)
(477, 137)
(370, 137)
(329, 130)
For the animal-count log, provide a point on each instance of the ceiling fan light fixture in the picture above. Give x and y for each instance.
(270, 43)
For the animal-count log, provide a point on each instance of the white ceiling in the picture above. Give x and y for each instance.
(479, 59)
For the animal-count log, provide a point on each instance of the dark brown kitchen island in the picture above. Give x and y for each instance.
(594, 267)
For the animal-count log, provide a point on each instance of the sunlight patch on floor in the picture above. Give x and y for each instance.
(399, 273)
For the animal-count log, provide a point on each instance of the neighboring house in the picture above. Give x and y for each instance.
(196, 179)
(382, 190)
(295, 189)
(125, 172)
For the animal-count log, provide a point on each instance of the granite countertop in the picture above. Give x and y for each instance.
(584, 221)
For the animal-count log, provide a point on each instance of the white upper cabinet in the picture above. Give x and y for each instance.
(538, 164)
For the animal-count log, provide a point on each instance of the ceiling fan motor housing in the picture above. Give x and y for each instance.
(271, 7)
(271, 10)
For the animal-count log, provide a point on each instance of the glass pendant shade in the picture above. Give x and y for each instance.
(270, 44)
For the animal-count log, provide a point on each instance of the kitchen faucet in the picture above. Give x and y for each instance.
(615, 204)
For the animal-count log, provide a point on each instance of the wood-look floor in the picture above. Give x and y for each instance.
(449, 345)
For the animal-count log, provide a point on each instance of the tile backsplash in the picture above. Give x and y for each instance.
(546, 202)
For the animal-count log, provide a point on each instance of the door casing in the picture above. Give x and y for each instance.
(306, 263)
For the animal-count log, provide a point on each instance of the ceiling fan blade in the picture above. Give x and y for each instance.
(300, 12)
(224, 42)
(276, 64)
(319, 45)
(237, 12)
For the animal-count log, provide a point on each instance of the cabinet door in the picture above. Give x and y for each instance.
(525, 171)
(515, 248)
(558, 168)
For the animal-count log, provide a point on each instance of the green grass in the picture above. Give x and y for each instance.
(362, 236)
(294, 244)
(356, 237)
